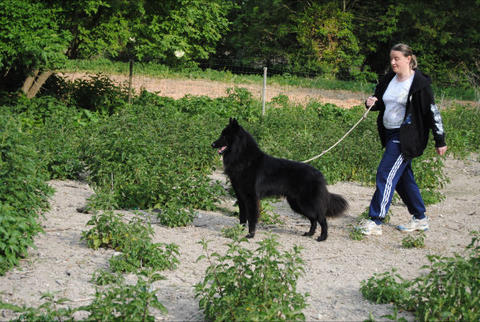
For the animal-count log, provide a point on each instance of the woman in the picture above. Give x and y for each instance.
(407, 109)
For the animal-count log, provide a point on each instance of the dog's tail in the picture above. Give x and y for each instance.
(336, 206)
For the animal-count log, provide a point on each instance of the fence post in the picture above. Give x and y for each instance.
(264, 90)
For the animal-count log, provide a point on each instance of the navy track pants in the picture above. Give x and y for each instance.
(395, 173)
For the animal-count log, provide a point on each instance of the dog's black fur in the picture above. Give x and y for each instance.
(255, 175)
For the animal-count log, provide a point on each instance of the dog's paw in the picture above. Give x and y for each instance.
(250, 235)
(321, 238)
(308, 234)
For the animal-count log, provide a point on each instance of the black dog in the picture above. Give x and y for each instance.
(255, 175)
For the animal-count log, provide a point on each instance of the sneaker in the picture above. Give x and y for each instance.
(369, 227)
(414, 224)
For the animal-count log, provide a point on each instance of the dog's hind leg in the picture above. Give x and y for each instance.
(324, 226)
(311, 215)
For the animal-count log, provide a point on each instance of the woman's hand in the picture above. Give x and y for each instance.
(441, 150)
(371, 100)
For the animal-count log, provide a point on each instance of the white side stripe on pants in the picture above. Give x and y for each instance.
(388, 186)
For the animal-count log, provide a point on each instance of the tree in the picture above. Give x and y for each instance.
(31, 45)
(328, 44)
(146, 30)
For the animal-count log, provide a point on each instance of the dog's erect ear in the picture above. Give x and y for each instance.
(233, 121)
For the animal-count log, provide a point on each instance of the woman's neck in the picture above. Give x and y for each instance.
(405, 75)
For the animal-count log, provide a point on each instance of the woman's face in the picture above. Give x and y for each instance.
(400, 63)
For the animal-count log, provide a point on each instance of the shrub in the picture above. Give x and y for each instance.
(448, 291)
(123, 302)
(155, 157)
(412, 241)
(252, 285)
(133, 239)
(23, 192)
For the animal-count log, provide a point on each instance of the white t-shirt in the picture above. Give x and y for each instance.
(395, 99)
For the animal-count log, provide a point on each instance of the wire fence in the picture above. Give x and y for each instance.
(258, 82)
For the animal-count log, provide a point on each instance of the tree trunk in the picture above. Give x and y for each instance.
(29, 81)
(34, 82)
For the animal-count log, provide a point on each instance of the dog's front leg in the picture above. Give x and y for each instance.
(242, 212)
(253, 206)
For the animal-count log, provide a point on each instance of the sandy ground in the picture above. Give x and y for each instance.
(63, 264)
(178, 88)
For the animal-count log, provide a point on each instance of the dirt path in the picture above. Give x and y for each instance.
(334, 268)
(178, 88)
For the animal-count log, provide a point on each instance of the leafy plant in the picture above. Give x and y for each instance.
(268, 216)
(385, 287)
(251, 285)
(412, 241)
(111, 231)
(102, 277)
(142, 254)
(52, 309)
(235, 232)
(125, 302)
(448, 291)
(23, 192)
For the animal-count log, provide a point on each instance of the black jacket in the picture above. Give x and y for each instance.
(421, 115)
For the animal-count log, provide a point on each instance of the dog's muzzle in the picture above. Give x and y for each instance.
(221, 149)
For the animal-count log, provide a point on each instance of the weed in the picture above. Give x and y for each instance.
(251, 285)
(448, 291)
(412, 241)
(234, 232)
(268, 216)
(123, 302)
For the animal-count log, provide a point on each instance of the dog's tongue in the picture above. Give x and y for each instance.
(222, 149)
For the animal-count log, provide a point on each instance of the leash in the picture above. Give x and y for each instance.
(364, 116)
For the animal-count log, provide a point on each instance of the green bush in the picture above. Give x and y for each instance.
(119, 302)
(448, 291)
(133, 239)
(23, 193)
(123, 302)
(154, 156)
(251, 285)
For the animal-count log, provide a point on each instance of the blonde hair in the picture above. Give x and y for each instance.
(406, 51)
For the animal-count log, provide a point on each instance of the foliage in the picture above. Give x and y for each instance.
(251, 285)
(171, 32)
(23, 192)
(111, 231)
(30, 38)
(124, 302)
(268, 216)
(52, 309)
(153, 156)
(133, 239)
(93, 93)
(142, 254)
(414, 241)
(325, 33)
(448, 291)
(464, 138)
(120, 301)
(234, 232)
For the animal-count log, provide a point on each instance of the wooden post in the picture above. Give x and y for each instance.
(264, 91)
